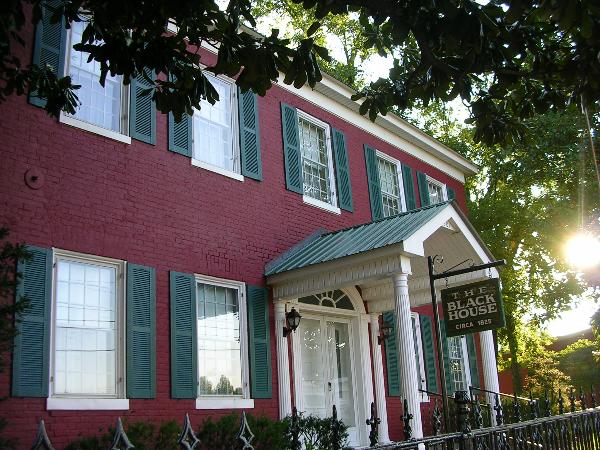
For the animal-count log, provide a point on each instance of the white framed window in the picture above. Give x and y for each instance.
(103, 110)
(390, 179)
(420, 361)
(215, 131)
(87, 332)
(317, 162)
(437, 191)
(223, 364)
(458, 358)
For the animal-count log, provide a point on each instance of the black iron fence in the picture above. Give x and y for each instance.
(563, 422)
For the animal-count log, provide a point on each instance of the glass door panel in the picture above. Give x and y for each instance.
(340, 371)
(313, 367)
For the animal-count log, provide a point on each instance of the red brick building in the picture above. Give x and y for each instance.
(167, 255)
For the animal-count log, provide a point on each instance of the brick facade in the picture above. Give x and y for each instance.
(146, 205)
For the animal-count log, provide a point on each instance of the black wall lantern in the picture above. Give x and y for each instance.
(384, 332)
(292, 320)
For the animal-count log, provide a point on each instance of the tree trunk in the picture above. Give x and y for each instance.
(513, 347)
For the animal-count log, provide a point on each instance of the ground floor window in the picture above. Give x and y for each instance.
(459, 365)
(221, 354)
(87, 344)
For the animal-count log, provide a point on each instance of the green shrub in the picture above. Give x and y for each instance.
(220, 434)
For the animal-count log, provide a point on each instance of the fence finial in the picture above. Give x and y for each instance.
(245, 435)
(42, 440)
(373, 422)
(406, 418)
(498, 409)
(295, 430)
(121, 441)
(187, 439)
(582, 398)
(572, 400)
(335, 429)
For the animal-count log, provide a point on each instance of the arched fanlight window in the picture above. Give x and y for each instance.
(331, 299)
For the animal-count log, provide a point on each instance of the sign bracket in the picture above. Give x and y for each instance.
(436, 317)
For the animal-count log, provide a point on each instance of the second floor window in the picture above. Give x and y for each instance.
(103, 107)
(390, 180)
(215, 140)
(436, 191)
(317, 164)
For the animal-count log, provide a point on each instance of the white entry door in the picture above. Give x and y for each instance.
(326, 366)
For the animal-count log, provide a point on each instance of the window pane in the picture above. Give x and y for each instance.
(85, 341)
(219, 348)
(99, 106)
(436, 193)
(315, 160)
(390, 194)
(457, 364)
(214, 141)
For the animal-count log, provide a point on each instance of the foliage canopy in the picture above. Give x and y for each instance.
(506, 60)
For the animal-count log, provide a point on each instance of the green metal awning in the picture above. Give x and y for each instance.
(323, 247)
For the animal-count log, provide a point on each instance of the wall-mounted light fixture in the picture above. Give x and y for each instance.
(384, 332)
(292, 320)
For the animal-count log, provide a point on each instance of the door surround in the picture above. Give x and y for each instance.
(357, 320)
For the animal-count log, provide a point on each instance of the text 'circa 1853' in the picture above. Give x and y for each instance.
(473, 307)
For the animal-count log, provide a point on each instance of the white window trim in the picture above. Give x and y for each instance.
(398, 164)
(333, 206)
(224, 402)
(423, 395)
(235, 128)
(86, 402)
(217, 169)
(320, 204)
(440, 184)
(86, 126)
(92, 128)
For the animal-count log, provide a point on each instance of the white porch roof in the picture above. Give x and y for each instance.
(368, 255)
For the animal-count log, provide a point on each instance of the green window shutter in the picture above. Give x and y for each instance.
(451, 193)
(409, 188)
(446, 353)
(291, 149)
(260, 341)
(374, 184)
(49, 46)
(141, 332)
(249, 135)
(429, 353)
(423, 189)
(473, 369)
(32, 345)
(180, 135)
(391, 356)
(184, 340)
(142, 111)
(342, 171)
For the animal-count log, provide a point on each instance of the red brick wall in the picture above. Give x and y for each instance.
(144, 204)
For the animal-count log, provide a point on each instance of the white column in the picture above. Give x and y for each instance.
(407, 366)
(380, 401)
(490, 368)
(283, 363)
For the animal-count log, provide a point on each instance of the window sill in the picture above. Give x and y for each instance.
(322, 205)
(81, 404)
(216, 169)
(71, 121)
(224, 403)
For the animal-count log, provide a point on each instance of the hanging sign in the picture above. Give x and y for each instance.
(473, 307)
